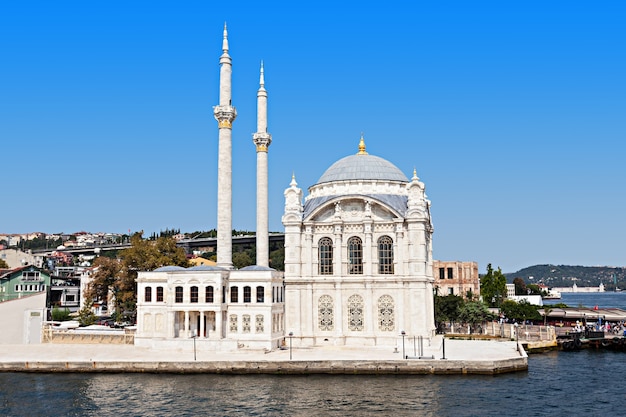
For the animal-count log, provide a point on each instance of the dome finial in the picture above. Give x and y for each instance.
(415, 177)
(362, 146)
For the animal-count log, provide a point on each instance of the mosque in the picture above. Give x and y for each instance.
(358, 259)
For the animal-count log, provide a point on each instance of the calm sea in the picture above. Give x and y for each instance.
(586, 383)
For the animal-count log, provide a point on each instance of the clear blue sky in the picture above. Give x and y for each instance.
(512, 112)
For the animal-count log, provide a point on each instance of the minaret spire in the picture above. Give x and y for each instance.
(225, 114)
(262, 140)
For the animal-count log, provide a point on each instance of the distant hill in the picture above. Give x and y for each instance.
(567, 275)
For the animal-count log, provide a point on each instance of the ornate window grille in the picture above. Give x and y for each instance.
(325, 256)
(245, 323)
(385, 255)
(386, 314)
(259, 326)
(355, 313)
(325, 313)
(355, 255)
(233, 323)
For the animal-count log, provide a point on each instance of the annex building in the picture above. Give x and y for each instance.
(358, 259)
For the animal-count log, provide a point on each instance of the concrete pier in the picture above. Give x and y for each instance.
(461, 357)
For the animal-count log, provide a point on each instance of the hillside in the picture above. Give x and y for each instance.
(567, 275)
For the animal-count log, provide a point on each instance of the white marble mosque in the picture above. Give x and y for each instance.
(358, 259)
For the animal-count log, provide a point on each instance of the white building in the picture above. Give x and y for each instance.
(358, 259)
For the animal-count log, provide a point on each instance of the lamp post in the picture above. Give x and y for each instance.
(403, 333)
(290, 337)
(194, 344)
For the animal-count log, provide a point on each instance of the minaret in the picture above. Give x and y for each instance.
(262, 140)
(225, 114)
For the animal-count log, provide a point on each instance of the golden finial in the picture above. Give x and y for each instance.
(362, 146)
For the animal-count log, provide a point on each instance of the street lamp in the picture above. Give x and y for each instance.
(403, 334)
(194, 344)
(290, 337)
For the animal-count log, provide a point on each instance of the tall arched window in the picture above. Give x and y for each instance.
(148, 296)
(193, 294)
(385, 255)
(326, 256)
(355, 255)
(178, 295)
(260, 294)
(355, 313)
(325, 313)
(159, 294)
(208, 294)
(386, 314)
(234, 294)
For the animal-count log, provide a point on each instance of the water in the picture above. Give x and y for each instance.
(587, 383)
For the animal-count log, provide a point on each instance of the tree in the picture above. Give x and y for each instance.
(447, 308)
(520, 286)
(521, 311)
(474, 313)
(119, 276)
(493, 287)
(3, 264)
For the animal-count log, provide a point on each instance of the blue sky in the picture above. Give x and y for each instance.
(513, 114)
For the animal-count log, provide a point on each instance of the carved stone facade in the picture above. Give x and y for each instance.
(358, 256)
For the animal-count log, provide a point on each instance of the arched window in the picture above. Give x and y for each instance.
(325, 313)
(355, 255)
(159, 294)
(193, 294)
(247, 294)
(386, 314)
(260, 294)
(234, 294)
(208, 294)
(385, 255)
(148, 296)
(178, 295)
(325, 256)
(355, 313)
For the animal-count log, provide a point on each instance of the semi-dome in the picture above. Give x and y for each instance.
(362, 166)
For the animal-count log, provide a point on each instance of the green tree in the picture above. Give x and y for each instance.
(474, 313)
(521, 311)
(241, 259)
(3, 264)
(520, 286)
(86, 317)
(119, 276)
(447, 309)
(60, 314)
(493, 287)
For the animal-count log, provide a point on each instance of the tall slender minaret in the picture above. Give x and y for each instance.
(262, 140)
(225, 114)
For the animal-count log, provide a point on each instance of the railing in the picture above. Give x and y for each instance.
(522, 332)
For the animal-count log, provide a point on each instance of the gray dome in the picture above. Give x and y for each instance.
(169, 268)
(205, 268)
(256, 268)
(362, 167)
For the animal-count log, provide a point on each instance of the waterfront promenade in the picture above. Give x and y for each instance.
(461, 357)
